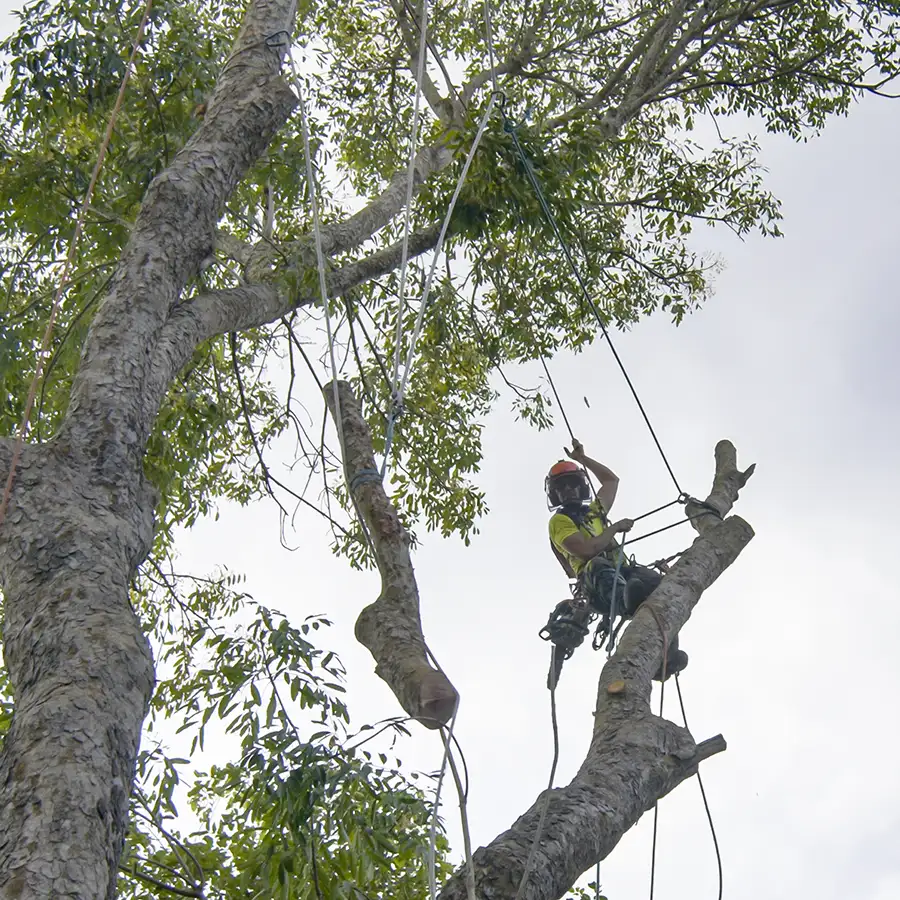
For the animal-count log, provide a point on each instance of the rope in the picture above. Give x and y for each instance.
(673, 525)
(559, 402)
(320, 257)
(529, 862)
(410, 178)
(364, 475)
(463, 802)
(464, 823)
(399, 391)
(654, 511)
(67, 267)
(551, 220)
(712, 827)
(612, 603)
(489, 36)
(432, 839)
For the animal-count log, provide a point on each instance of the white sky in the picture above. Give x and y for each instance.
(794, 650)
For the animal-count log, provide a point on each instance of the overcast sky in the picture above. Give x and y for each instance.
(794, 653)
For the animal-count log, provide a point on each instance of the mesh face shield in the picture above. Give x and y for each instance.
(569, 482)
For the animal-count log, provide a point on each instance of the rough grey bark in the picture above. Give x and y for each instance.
(391, 627)
(635, 757)
(6, 454)
(80, 518)
(727, 484)
(81, 670)
(174, 233)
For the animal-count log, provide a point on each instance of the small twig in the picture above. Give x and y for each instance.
(268, 478)
(176, 845)
(170, 888)
(315, 865)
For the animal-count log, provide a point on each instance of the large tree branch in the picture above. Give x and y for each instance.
(173, 234)
(511, 66)
(615, 83)
(445, 110)
(669, 74)
(649, 70)
(352, 232)
(391, 627)
(663, 31)
(635, 757)
(253, 305)
(518, 55)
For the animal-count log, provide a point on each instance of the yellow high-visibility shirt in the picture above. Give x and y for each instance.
(562, 526)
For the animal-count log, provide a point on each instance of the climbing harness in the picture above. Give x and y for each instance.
(597, 593)
(600, 588)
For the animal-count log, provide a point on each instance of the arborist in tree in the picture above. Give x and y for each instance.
(585, 544)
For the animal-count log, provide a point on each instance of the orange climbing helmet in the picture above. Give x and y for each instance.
(566, 474)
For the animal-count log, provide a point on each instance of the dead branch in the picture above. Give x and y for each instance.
(727, 483)
(391, 627)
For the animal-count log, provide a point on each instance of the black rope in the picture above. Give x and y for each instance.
(559, 403)
(510, 129)
(529, 862)
(662, 699)
(654, 511)
(712, 827)
(705, 512)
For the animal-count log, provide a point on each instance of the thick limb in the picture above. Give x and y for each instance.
(391, 627)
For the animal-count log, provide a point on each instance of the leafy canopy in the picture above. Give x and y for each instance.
(607, 97)
(304, 809)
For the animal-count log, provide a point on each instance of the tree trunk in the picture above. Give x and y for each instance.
(80, 518)
(82, 672)
(635, 757)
